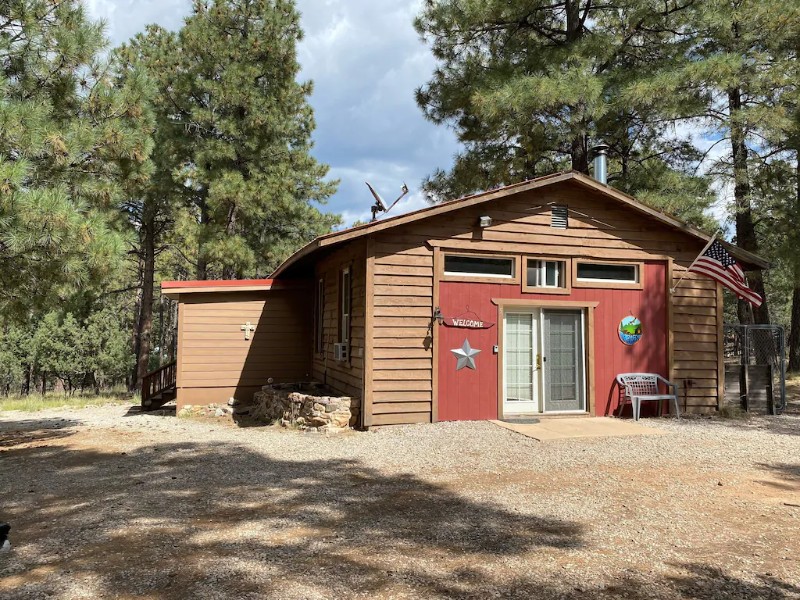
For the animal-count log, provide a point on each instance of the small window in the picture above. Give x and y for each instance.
(320, 320)
(546, 273)
(344, 321)
(479, 266)
(559, 218)
(608, 272)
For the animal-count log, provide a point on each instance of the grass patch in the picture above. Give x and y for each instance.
(36, 402)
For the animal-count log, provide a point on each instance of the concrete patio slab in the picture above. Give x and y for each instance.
(548, 429)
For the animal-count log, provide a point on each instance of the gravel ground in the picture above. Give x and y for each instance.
(107, 503)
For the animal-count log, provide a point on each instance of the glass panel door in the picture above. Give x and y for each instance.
(564, 388)
(519, 360)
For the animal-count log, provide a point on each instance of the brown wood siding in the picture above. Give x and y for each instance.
(402, 343)
(599, 228)
(342, 377)
(216, 362)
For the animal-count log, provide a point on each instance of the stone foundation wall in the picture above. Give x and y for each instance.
(307, 406)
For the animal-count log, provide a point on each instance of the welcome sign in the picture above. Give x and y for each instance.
(467, 323)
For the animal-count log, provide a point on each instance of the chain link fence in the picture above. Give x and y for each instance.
(758, 346)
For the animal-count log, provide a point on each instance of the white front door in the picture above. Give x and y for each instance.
(543, 361)
(521, 377)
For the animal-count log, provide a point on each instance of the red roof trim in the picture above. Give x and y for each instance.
(167, 285)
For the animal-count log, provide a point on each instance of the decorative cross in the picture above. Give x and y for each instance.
(247, 328)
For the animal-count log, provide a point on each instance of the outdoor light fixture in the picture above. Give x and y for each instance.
(485, 221)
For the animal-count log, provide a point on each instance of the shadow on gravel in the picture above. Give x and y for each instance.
(781, 425)
(194, 520)
(168, 410)
(14, 433)
(787, 471)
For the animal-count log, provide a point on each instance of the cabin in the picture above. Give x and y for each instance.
(519, 301)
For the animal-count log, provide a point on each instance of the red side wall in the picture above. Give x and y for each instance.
(472, 395)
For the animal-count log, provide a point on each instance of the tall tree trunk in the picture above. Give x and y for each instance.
(229, 271)
(794, 327)
(202, 262)
(579, 150)
(580, 153)
(144, 326)
(745, 228)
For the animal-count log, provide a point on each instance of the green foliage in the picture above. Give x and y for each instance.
(527, 84)
(60, 348)
(236, 131)
(108, 353)
(70, 141)
(92, 352)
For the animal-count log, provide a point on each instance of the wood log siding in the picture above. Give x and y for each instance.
(343, 377)
(599, 228)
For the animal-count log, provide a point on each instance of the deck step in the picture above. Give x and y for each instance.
(160, 399)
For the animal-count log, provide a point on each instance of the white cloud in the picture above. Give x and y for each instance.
(366, 60)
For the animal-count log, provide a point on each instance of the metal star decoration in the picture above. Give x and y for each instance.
(465, 355)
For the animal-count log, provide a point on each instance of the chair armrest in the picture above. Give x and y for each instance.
(669, 384)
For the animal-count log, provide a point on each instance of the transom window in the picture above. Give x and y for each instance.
(479, 266)
(608, 272)
(545, 273)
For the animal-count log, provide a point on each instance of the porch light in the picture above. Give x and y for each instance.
(485, 221)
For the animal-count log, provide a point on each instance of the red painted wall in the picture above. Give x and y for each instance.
(472, 395)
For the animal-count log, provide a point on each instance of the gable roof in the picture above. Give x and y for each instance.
(359, 231)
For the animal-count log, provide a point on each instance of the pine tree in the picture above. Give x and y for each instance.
(70, 142)
(240, 133)
(736, 55)
(528, 84)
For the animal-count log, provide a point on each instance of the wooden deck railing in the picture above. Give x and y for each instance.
(157, 381)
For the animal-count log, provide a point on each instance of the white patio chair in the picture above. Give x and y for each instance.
(641, 387)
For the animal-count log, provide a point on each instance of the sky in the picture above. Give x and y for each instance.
(365, 60)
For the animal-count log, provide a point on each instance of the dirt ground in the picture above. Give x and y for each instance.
(109, 503)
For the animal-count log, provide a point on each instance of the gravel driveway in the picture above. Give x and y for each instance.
(110, 504)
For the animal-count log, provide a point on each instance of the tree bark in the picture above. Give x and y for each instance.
(745, 227)
(794, 327)
(144, 325)
(229, 271)
(579, 147)
(202, 263)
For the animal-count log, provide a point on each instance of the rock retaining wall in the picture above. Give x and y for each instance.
(307, 406)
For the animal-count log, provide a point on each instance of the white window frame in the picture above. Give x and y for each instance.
(561, 273)
(564, 274)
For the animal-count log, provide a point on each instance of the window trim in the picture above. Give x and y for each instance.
(514, 279)
(319, 318)
(532, 289)
(346, 318)
(609, 283)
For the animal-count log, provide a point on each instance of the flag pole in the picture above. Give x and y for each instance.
(703, 251)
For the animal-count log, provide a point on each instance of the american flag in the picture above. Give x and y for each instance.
(716, 263)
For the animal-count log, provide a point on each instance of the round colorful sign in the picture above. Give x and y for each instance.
(630, 330)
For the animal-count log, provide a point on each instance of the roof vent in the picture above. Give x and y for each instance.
(560, 216)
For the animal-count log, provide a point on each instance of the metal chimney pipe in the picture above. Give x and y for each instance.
(601, 163)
